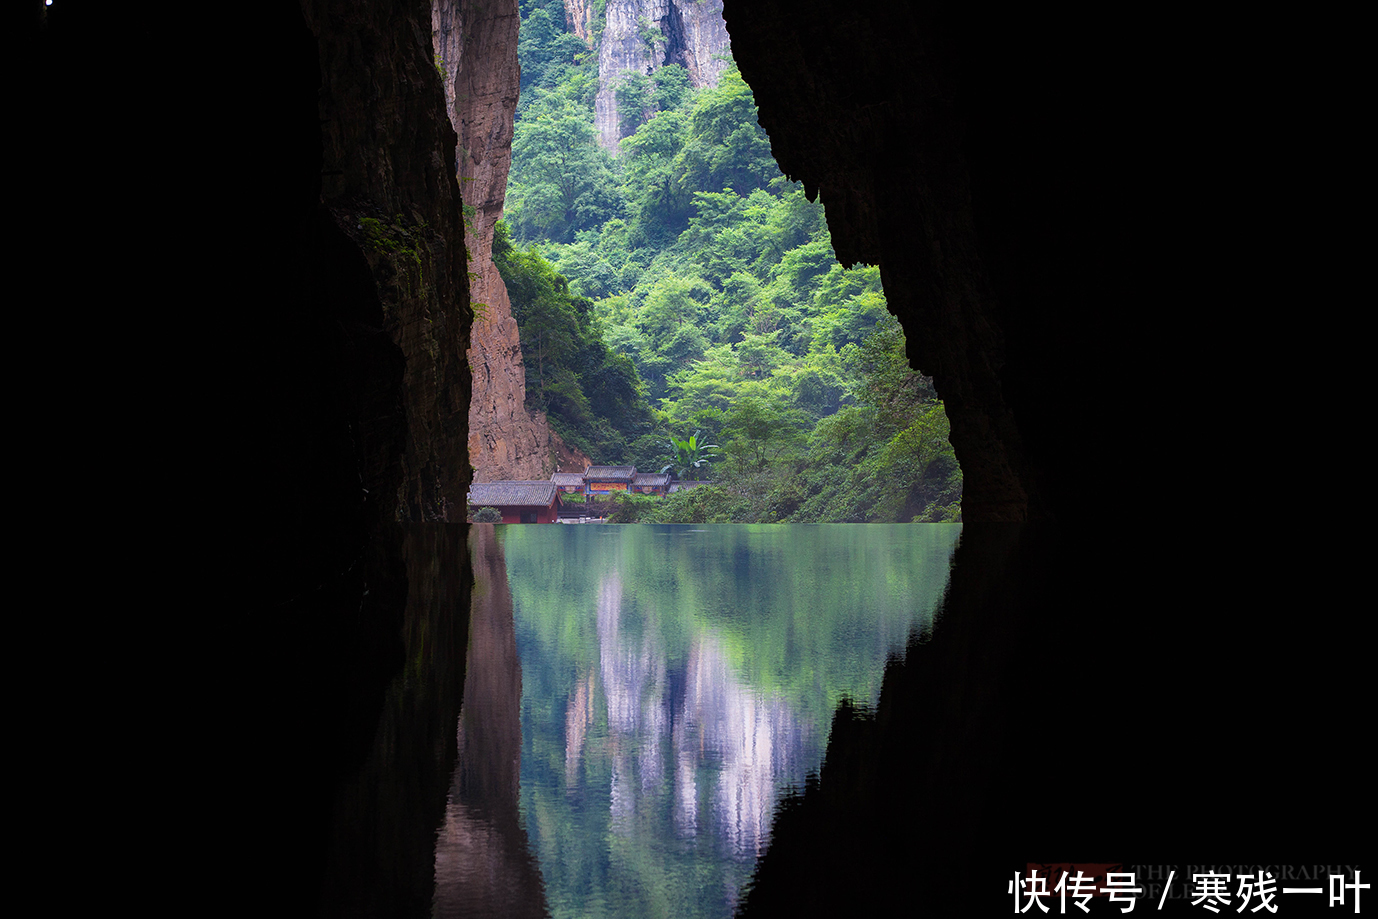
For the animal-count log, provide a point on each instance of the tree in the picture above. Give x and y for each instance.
(543, 308)
(633, 96)
(592, 394)
(563, 180)
(672, 87)
(727, 147)
(763, 430)
(690, 455)
(658, 206)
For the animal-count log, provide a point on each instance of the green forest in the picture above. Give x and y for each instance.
(685, 288)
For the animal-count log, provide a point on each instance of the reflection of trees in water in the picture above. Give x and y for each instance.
(666, 728)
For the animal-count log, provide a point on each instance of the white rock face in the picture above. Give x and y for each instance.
(644, 35)
(579, 19)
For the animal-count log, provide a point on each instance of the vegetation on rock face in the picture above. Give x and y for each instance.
(401, 245)
(590, 392)
(687, 285)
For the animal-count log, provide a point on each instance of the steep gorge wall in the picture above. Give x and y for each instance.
(685, 32)
(579, 19)
(387, 183)
(476, 50)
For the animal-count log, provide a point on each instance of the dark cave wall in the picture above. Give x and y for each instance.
(305, 335)
(372, 689)
(1043, 202)
(388, 181)
(332, 273)
(276, 380)
(969, 151)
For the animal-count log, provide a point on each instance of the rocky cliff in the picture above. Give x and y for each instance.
(643, 35)
(476, 51)
(387, 183)
(579, 19)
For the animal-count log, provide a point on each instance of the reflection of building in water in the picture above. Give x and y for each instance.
(711, 734)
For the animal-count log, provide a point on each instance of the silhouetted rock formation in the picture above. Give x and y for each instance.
(1089, 688)
(387, 807)
(998, 165)
(388, 157)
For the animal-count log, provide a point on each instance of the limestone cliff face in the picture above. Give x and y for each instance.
(579, 19)
(643, 35)
(476, 49)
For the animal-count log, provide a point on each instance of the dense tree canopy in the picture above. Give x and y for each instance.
(686, 286)
(591, 393)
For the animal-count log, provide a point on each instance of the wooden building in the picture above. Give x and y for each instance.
(651, 483)
(570, 483)
(518, 502)
(604, 480)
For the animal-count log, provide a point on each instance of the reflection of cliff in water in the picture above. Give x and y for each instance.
(388, 801)
(757, 739)
(483, 866)
(667, 724)
(678, 680)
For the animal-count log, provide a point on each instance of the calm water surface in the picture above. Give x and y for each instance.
(665, 685)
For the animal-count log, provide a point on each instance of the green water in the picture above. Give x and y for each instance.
(676, 680)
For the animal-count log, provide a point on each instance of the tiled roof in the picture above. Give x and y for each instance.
(567, 478)
(651, 478)
(512, 494)
(610, 473)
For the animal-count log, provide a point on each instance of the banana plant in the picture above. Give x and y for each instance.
(690, 455)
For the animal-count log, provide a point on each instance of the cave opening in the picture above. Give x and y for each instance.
(1054, 677)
